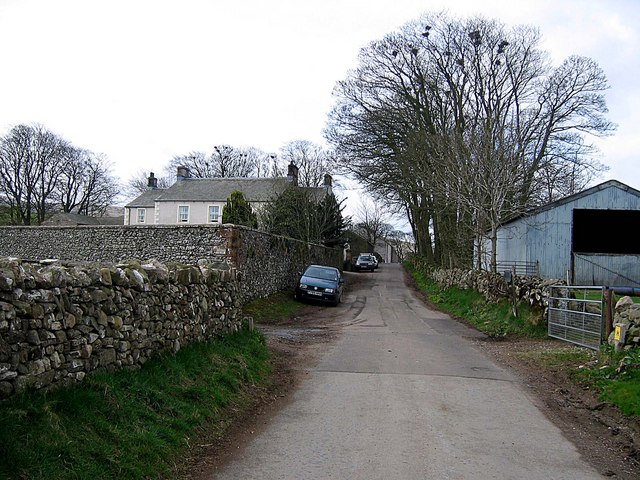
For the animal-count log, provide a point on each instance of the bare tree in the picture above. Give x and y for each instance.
(228, 161)
(401, 243)
(223, 162)
(265, 164)
(233, 162)
(463, 122)
(31, 159)
(138, 183)
(313, 161)
(198, 163)
(372, 221)
(85, 184)
(40, 173)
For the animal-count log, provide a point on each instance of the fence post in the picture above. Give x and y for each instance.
(514, 300)
(608, 312)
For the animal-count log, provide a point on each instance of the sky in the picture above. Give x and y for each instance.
(142, 81)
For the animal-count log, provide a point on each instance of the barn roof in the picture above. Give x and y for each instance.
(572, 198)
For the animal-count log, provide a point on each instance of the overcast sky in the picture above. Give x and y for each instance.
(141, 81)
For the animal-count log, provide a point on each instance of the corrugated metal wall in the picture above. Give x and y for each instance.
(546, 236)
(607, 270)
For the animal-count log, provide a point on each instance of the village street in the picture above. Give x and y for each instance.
(403, 394)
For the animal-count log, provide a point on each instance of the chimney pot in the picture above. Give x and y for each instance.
(292, 173)
(152, 182)
(328, 182)
(182, 173)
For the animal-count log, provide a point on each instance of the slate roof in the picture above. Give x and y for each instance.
(146, 199)
(219, 189)
(214, 190)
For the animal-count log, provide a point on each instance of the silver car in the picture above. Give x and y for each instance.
(365, 262)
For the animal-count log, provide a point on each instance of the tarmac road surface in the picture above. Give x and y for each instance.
(403, 394)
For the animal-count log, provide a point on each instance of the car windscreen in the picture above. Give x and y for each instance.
(323, 273)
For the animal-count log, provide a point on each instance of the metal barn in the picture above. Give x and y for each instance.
(590, 238)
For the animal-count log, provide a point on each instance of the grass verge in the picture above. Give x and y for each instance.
(130, 424)
(496, 319)
(614, 375)
(275, 309)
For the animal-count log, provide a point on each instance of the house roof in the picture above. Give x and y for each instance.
(146, 199)
(574, 197)
(215, 190)
(219, 189)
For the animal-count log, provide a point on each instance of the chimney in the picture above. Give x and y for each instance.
(292, 174)
(182, 173)
(152, 182)
(328, 182)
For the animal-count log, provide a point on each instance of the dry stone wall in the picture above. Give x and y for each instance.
(270, 263)
(493, 286)
(60, 322)
(266, 263)
(148, 289)
(627, 312)
(166, 243)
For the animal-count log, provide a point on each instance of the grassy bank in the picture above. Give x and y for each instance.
(275, 309)
(494, 319)
(131, 424)
(614, 375)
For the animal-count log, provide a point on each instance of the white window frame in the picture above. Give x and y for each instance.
(209, 216)
(141, 215)
(181, 217)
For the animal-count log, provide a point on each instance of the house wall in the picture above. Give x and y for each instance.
(383, 249)
(198, 212)
(511, 245)
(131, 216)
(167, 212)
(549, 241)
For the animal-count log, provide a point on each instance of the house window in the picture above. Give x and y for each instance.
(142, 214)
(183, 213)
(214, 213)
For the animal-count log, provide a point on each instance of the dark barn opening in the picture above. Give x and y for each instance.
(606, 231)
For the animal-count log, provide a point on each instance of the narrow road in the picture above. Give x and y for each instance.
(403, 394)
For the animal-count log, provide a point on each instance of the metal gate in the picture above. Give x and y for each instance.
(577, 315)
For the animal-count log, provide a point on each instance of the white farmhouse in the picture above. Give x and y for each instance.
(201, 200)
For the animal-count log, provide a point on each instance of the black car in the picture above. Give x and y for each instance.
(320, 283)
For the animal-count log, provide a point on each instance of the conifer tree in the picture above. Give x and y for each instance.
(238, 211)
